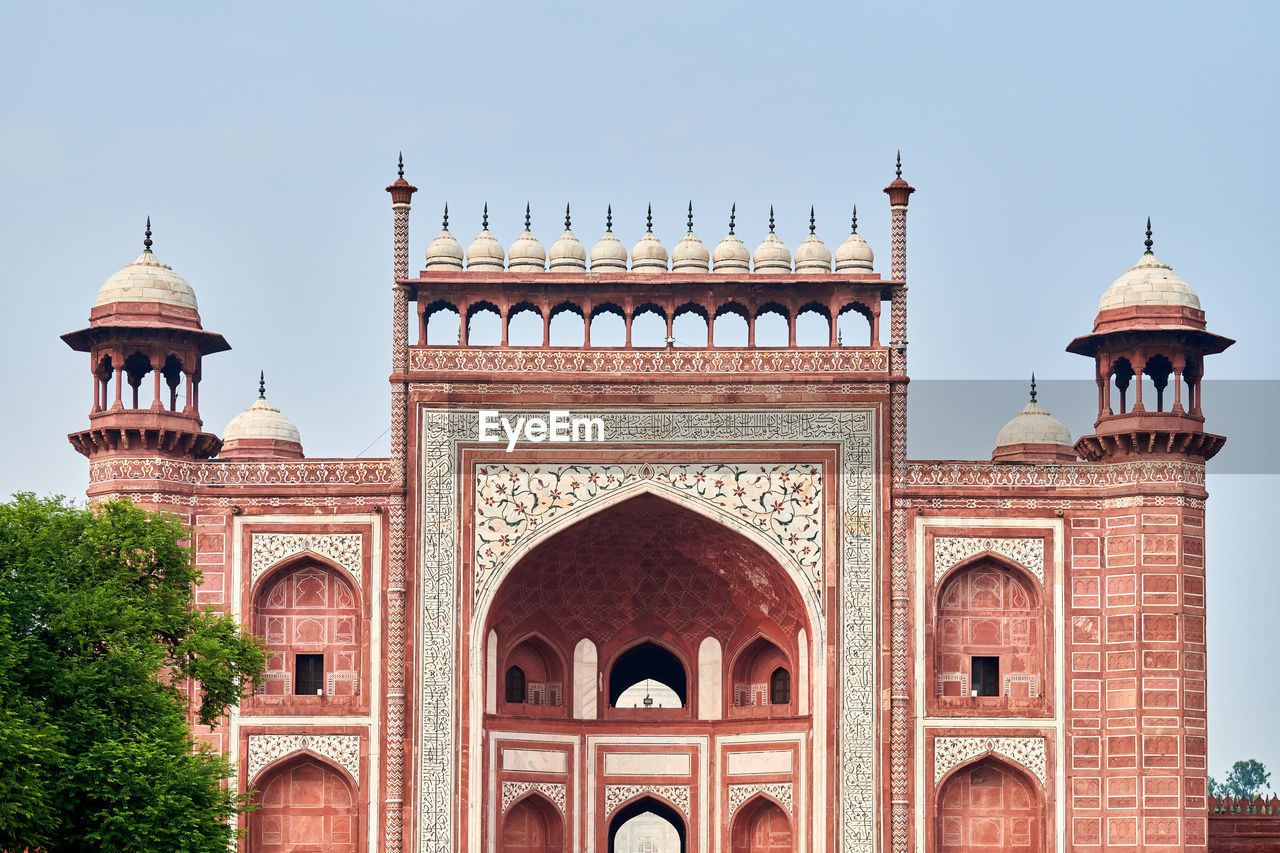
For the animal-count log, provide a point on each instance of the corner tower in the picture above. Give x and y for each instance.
(146, 347)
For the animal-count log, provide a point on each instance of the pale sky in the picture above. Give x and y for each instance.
(259, 138)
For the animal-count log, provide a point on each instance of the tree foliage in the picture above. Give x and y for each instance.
(1244, 779)
(100, 639)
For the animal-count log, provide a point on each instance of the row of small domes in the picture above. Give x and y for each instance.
(567, 254)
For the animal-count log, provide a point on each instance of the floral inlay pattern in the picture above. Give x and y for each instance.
(783, 501)
(951, 751)
(512, 791)
(949, 550)
(343, 750)
(616, 795)
(739, 794)
(345, 549)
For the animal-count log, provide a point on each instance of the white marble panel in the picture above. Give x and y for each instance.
(535, 760)
(646, 764)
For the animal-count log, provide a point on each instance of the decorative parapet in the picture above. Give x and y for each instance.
(604, 363)
(993, 475)
(316, 472)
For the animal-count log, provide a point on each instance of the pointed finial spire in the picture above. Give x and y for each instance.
(649, 220)
(146, 239)
(400, 166)
(690, 216)
(899, 163)
(567, 222)
(812, 221)
(484, 220)
(608, 219)
(262, 385)
(526, 216)
(770, 219)
(1148, 242)
(1033, 387)
(855, 219)
(445, 223)
(733, 212)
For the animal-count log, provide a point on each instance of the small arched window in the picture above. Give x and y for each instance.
(780, 687)
(515, 684)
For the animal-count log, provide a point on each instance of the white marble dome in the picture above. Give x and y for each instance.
(771, 256)
(731, 254)
(608, 254)
(812, 255)
(854, 255)
(1149, 282)
(526, 253)
(567, 254)
(261, 421)
(1033, 425)
(147, 280)
(445, 252)
(649, 255)
(485, 252)
(690, 255)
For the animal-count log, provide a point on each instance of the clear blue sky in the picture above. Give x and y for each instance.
(259, 138)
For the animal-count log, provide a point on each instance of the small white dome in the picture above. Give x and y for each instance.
(731, 253)
(812, 255)
(771, 256)
(567, 254)
(649, 255)
(526, 253)
(485, 252)
(690, 255)
(261, 422)
(147, 280)
(1033, 425)
(444, 253)
(608, 254)
(1149, 282)
(854, 255)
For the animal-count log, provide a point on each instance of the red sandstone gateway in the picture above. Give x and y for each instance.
(738, 618)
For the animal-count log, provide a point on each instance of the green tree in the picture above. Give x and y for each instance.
(1244, 779)
(100, 638)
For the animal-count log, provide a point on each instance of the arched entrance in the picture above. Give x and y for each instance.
(646, 825)
(304, 805)
(532, 825)
(990, 805)
(761, 826)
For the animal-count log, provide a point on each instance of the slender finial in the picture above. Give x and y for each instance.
(262, 385)
(400, 166)
(567, 223)
(690, 216)
(446, 216)
(770, 219)
(733, 212)
(649, 220)
(146, 239)
(1033, 387)
(608, 219)
(526, 216)
(484, 220)
(1148, 242)
(855, 219)
(899, 163)
(812, 226)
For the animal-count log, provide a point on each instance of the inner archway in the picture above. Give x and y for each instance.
(990, 805)
(532, 825)
(304, 805)
(640, 667)
(646, 825)
(761, 827)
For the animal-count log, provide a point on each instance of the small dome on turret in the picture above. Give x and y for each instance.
(771, 256)
(444, 253)
(731, 253)
(485, 252)
(608, 254)
(261, 432)
(526, 253)
(1149, 282)
(854, 255)
(649, 255)
(812, 255)
(690, 255)
(1034, 435)
(567, 254)
(147, 280)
